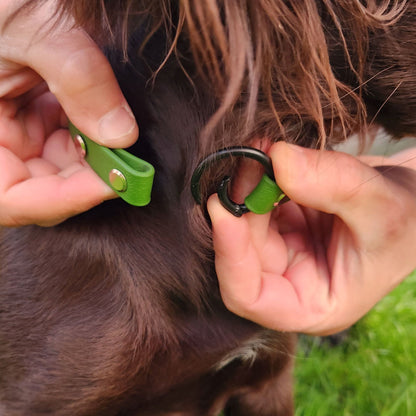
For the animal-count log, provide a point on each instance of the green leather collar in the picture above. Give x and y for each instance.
(130, 177)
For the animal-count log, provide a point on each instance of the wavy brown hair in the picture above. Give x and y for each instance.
(268, 60)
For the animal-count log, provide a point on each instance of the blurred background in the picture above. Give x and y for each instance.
(369, 370)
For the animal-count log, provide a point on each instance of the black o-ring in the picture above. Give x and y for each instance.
(238, 151)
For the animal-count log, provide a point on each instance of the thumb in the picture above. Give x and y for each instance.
(236, 261)
(335, 183)
(81, 78)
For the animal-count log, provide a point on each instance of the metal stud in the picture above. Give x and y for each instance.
(118, 180)
(80, 145)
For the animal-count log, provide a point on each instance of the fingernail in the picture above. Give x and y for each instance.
(116, 125)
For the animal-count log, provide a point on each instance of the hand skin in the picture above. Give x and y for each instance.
(42, 179)
(320, 262)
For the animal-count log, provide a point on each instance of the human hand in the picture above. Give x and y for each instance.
(319, 262)
(42, 179)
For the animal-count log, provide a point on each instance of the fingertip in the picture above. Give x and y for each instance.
(219, 218)
(83, 188)
(223, 222)
(230, 233)
(315, 178)
(118, 128)
(290, 165)
(216, 211)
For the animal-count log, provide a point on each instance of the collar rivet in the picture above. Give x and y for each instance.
(118, 180)
(80, 145)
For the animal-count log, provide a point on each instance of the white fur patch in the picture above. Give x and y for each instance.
(248, 351)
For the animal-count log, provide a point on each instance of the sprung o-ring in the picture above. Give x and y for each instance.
(272, 191)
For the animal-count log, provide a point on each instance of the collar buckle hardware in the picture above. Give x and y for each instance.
(261, 200)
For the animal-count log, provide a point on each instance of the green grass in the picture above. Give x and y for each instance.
(373, 372)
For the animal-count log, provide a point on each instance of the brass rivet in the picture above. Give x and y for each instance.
(118, 180)
(80, 145)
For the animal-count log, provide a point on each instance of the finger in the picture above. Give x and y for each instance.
(239, 261)
(82, 79)
(14, 83)
(39, 167)
(290, 218)
(48, 200)
(339, 184)
(23, 130)
(247, 287)
(58, 154)
(233, 255)
(60, 150)
(295, 301)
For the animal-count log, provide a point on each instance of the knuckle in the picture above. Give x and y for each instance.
(240, 305)
(350, 181)
(82, 70)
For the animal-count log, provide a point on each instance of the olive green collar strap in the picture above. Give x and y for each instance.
(130, 177)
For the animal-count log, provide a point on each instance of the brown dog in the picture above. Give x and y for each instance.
(117, 311)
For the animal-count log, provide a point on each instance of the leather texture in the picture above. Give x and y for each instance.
(264, 197)
(138, 173)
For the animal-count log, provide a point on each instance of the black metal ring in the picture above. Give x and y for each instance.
(238, 151)
(236, 209)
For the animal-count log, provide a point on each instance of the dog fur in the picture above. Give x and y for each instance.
(117, 311)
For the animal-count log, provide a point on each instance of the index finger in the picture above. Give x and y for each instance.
(49, 198)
